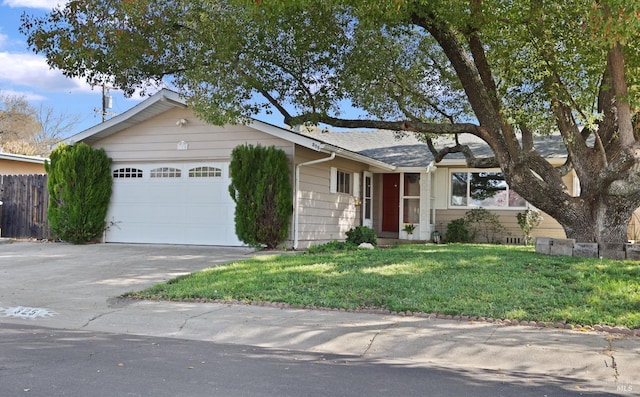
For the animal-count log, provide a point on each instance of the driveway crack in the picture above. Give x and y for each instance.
(97, 317)
(372, 340)
(186, 320)
(491, 336)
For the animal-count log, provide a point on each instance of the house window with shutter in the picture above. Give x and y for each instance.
(341, 181)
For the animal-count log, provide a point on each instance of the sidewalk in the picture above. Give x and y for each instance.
(77, 286)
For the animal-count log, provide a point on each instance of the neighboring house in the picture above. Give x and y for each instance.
(16, 164)
(171, 176)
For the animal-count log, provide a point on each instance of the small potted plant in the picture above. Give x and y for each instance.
(409, 228)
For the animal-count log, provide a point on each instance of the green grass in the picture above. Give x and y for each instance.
(473, 280)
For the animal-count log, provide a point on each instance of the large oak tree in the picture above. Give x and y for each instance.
(502, 70)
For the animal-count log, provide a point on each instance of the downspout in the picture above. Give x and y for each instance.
(296, 210)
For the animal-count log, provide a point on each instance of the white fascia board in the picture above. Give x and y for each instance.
(123, 120)
(358, 157)
(287, 135)
(22, 158)
(555, 161)
(317, 145)
(413, 169)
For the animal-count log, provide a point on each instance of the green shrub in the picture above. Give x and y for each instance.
(528, 220)
(261, 188)
(362, 234)
(485, 223)
(457, 232)
(79, 184)
(331, 246)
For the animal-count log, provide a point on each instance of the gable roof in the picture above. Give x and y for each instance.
(165, 100)
(383, 149)
(406, 150)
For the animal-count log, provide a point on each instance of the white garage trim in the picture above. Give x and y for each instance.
(171, 203)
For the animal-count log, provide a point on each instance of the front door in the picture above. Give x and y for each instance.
(390, 202)
(367, 199)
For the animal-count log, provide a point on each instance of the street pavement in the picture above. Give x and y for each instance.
(76, 288)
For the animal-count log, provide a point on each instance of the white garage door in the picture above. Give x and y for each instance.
(172, 203)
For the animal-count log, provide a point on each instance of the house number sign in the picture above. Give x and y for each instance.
(25, 312)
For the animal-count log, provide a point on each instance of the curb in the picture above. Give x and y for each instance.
(434, 316)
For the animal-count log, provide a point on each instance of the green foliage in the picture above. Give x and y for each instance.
(332, 246)
(484, 223)
(409, 228)
(79, 184)
(528, 220)
(362, 234)
(458, 232)
(261, 188)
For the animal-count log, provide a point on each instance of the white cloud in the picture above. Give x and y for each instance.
(43, 4)
(29, 96)
(28, 70)
(4, 39)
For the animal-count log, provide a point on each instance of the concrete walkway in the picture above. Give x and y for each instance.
(76, 287)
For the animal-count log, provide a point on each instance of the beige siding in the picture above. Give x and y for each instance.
(11, 167)
(508, 218)
(325, 216)
(157, 140)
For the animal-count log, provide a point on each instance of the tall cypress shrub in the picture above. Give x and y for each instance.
(261, 188)
(79, 184)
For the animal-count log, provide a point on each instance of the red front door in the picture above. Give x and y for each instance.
(390, 202)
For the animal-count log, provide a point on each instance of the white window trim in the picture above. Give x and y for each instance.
(353, 182)
(470, 171)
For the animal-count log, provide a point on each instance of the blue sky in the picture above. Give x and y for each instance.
(23, 72)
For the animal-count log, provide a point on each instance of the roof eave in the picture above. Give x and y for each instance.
(140, 112)
(317, 145)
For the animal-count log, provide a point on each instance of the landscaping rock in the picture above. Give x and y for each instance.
(632, 251)
(585, 250)
(367, 246)
(612, 251)
(562, 246)
(543, 245)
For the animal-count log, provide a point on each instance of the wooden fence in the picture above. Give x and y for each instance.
(24, 206)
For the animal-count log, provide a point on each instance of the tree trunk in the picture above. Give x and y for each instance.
(604, 221)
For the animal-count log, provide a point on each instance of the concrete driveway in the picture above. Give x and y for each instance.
(75, 287)
(79, 282)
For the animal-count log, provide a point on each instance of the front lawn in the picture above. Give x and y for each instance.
(473, 280)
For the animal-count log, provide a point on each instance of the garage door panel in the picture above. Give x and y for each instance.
(172, 210)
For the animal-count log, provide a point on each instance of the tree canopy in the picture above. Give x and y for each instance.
(500, 70)
(25, 129)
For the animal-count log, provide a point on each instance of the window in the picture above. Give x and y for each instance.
(205, 172)
(127, 173)
(165, 172)
(483, 189)
(343, 180)
(411, 198)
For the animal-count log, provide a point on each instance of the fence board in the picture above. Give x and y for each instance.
(24, 206)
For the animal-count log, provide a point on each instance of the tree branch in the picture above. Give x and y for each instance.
(407, 125)
(471, 160)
